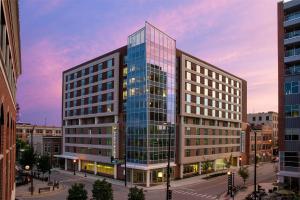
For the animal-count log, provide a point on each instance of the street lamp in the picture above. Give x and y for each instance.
(168, 195)
(240, 160)
(74, 163)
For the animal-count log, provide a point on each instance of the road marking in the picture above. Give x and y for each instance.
(195, 194)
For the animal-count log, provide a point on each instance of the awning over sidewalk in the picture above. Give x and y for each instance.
(147, 167)
(67, 157)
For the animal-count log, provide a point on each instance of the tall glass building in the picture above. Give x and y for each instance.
(150, 109)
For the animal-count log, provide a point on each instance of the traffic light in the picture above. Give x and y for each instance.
(170, 194)
(112, 159)
(229, 182)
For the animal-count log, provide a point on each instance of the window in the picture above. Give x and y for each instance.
(213, 74)
(197, 141)
(198, 89)
(188, 76)
(188, 108)
(187, 153)
(198, 68)
(205, 101)
(188, 131)
(198, 79)
(267, 118)
(291, 87)
(292, 110)
(198, 100)
(206, 82)
(188, 98)
(198, 110)
(188, 87)
(205, 111)
(187, 141)
(109, 63)
(220, 77)
(220, 86)
(188, 65)
(206, 72)
(206, 92)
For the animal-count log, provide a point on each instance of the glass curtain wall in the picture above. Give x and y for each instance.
(151, 96)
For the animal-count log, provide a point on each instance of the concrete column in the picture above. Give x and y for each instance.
(148, 178)
(131, 177)
(199, 168)
(238, 162)
(115, 171)
(95, 167)
(79, 165)
(79, 122)
(66, 164)
(181, 171)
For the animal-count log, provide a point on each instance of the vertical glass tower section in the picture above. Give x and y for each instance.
(151, 98)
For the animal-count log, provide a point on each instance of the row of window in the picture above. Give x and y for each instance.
(90, 70)
(205, 131)
(90, 110)
(212, 84)
(210, 151)
(211, 112)
(90, 100)
(210, 102)
(94, 130)
(210, 122)
(212, 74)
(85, 140)
(89, 80)
(210, 141)
(90, 90)
(91, 151)
(211, 93)
(267, 118)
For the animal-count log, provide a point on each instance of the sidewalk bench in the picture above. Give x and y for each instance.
(44, 189)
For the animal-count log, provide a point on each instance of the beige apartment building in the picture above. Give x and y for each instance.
(212, 107)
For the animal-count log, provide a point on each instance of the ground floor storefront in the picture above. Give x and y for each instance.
(204, 167)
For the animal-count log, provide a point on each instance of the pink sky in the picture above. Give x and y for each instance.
(238, 36)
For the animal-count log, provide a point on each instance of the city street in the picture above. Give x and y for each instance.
(202, 189)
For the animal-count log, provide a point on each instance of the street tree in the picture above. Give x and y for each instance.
(102, 190)
(77, 192)
(136, 194)
(44, 165)
(244, 174)
(206, 165)
(20, 144)
(28, 157)
(227, 162)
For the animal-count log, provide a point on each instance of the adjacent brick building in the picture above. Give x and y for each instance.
(288, 14)
(141, 93)
(10, 69)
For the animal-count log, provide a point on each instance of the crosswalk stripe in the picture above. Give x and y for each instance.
(195, 194)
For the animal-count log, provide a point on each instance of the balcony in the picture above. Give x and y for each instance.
(292, 37)
(292, 55)
(292, 70)
(292, 19)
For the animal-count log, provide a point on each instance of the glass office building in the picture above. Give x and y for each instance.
(150, 109)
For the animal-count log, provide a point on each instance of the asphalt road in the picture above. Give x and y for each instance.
(204, 189)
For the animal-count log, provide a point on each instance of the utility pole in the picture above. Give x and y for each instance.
(254, 164)
(31, 174)
(169, 195)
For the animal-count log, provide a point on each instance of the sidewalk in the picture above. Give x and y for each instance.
(23, 191)
(174, 183)
(244, 193)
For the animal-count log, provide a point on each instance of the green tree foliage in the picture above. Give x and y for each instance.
(20, 144)
(77, 192)
(244, 173)
(43, 164)
(102, 190)
(228, 161)
(28, 157)
(136, 194)
(206, 166)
